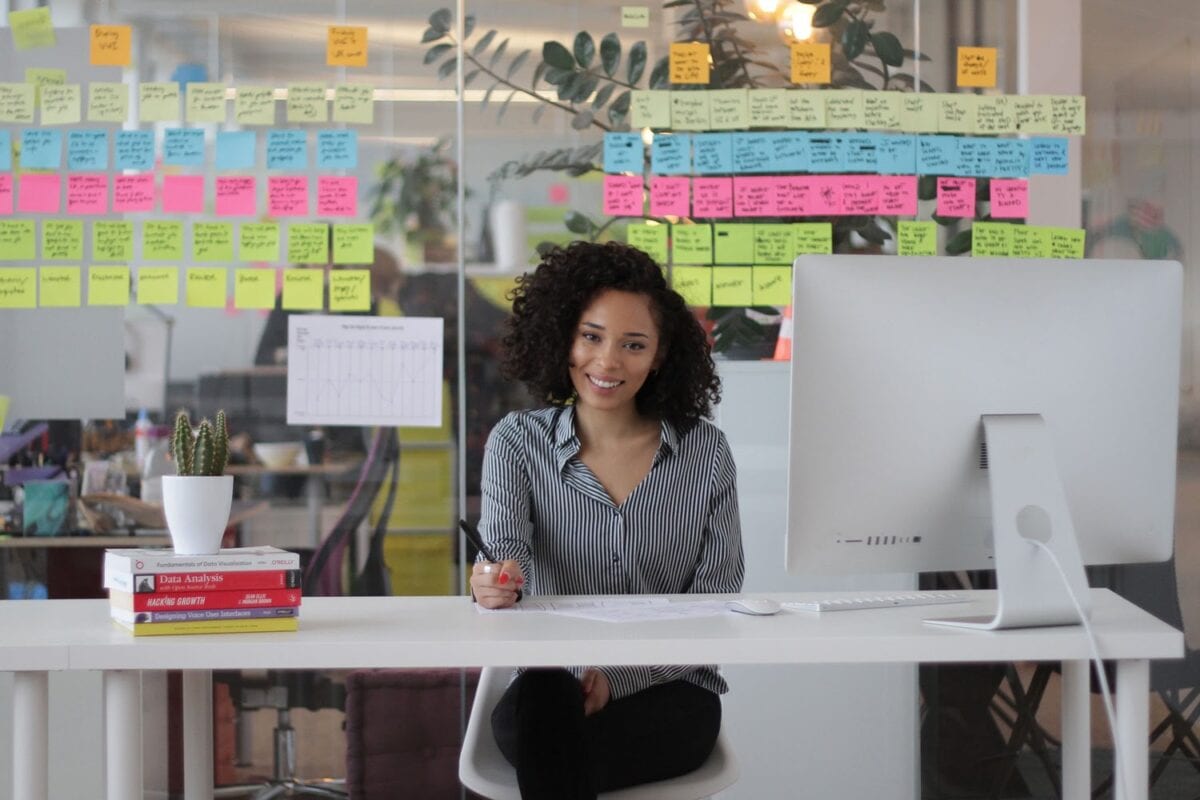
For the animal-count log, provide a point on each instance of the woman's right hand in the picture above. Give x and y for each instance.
(496, 585)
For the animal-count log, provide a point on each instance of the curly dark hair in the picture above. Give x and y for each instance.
(548, 302)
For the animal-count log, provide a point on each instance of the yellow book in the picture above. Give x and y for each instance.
(211, 626)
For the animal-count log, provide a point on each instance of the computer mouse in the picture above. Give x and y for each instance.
(758, 606)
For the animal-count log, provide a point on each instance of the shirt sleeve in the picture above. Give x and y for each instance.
(505, 522)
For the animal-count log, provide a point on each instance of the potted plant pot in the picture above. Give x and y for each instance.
(197, 511)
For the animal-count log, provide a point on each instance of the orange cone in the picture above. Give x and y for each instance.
(783, 345)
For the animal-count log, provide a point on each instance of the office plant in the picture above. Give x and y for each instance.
(197, 500)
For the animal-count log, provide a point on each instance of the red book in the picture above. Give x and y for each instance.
(213, 581)
(187, 601)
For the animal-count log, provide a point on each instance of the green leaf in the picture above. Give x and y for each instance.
(470, 76)
(468, 25)
(556, 55)
(498, 54)
(440, 20)
(660, 74)
(983, 190)
(927, 187)
(829, 13)
(725, 72)
(566, 89)
(888, 48)
(584, 88)
(855, 38)
(619, 108)
(431, 35)
(504, 105)
(610, 54)
(483, 42)
(537, 113)
(582, 120)
(637, 62)
(516, 63)
(603, 95)
(585, 49)
(915, 56)
(961, 243)
(555, 76)
(545, 248)
(487, 96)
(873, 233)
(447, 67)
(436, 52)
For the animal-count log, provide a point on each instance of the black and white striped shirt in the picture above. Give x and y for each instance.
(677, 532)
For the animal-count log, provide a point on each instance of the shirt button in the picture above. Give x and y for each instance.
(616, 559)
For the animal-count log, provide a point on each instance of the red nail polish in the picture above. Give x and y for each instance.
(503, 578)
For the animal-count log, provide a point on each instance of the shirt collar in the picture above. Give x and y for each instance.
(566, 441)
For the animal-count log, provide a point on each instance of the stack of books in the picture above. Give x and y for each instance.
(236, 590)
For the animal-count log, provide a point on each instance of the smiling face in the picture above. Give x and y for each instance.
(615, 348)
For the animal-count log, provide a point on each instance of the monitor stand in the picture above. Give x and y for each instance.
(1028, 504)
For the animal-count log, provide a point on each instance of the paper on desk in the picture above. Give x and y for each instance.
(617, 609)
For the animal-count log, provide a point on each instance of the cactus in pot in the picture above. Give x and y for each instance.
(202, 451)
(198, 499)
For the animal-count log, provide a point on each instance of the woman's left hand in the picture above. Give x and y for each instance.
(595, 690)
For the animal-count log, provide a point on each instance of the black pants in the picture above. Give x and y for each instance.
(560, 754)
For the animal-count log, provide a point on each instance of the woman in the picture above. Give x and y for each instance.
(618, 486)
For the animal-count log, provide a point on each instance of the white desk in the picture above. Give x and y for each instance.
(342, 633)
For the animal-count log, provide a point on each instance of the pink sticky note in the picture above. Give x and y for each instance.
(754, 196)
(669, 197)
(40, 193)
(860, 194)
(956, 197)
(236, 197)
(6, 193)
(623, 196)
(898, 195)
(827, 195)
(133, 193)
(1010, 198)
(793, 196)
(337, 196)
(183, 194)
(87, 193)
(559, 194)
(287, 196)
(712, 197)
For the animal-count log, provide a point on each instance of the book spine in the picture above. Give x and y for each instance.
(158, 617)
(185, 601)
(171, 582)
(114, 562)
(212, 626)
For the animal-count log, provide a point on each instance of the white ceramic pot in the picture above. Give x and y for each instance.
(197, 511)
(509, 239)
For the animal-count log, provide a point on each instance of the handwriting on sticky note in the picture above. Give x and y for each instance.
(16, 102)
(693, 283)
(690, 111)
(31, 28)
(1048, 156)
(306, 103)
(353, 243)
(158, 102)
(212, 241)
(623, 152)
(650, 109)
(772, 286)
(635, 17)
(669, 197)
(17, 242)
(688, 62)
(206, 287)
(112, 241)
(346, 46)
(337, 196)
(773, 244)
(712, 153)
(1067, 242)
(237, 196)
(258, 241)
(670, 154)
(308, 243)
(162, 241)
(287, 150)
(287, 196)
(918, 112)
(956, 197)
(768, 108)
(350, 290)
(254, 288)
(844, 108)
(956, 113)
(39, 194)
(87, 193)
(712, 197)
(650, 238)
(337, 149)
(1009, 198)
(813, 237)
(134, 150)
(303, 290)
(158, 286)
(754, 197)
(732, 286)
(87, 150)
(691, 244)
(623, 196)
(183, 147)
(205, 102)
(882, 110)
(733, 243)
(977, 67)
(183, 194)
(6, 194)
(1030, 241)
(897, 195)
(990, 239)
(1068, 115)
(60, 104)
(18, 287)
(254, 105)
(107, 102)
(111, 45)
(729, 109)
(62, 240)
(805, 110)
(916, 238)
(60, 287)
(108, 286)
(811, 62)
(354, 104)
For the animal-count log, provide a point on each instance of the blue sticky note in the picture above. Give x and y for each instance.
(826, 152)
(937, 155)
(671, 154)
(183, 147)
(1012, 158)
(338, 149)
(87, 150)
(623, 152)
(41, 148)
(896, 154)
(1048, 156)
(789, 151)
(287, 149)
(5, 150)
(713, 153)
(862, 152)
(134, 150)
(752, 153)
(979, 154)
(235, 149)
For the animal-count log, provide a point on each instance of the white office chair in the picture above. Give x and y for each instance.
(483, 769)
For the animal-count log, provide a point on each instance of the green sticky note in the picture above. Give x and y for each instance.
(354, 104)
(916, 238)
(212, 242)
(956, 113)
(44, 76)
(259, 241)
(768, 108)
(162, 241)
(729, 109)
(62, 240)
(205, 102)
(254, 105)
(354, 244)
(991, 239)
(60, 287)
(994, 114)
(1068, 115)
(1066, 242)
(18, 287)
(254, 288)
(844, 108)
(1030, 241)
(733, 243)
(732, 286)
(206, 287)
(308, 243)
(158, 286)
(350, 290)
(108, 102)
(32, 28)
(690, 111)
(650, 238)
(772, 286)
(919, 112)
(303, 289)
(812, 238)
(691, 244)
(158, 102)
(774, 243)
(18, 240)
(60, 103)
(108, 286)
(4, 401)
(649, 109)
(882, 110)
(306, 103)
(17, 102)
(694, 283)
(112, 241)
(1031, 113)
(805, 109)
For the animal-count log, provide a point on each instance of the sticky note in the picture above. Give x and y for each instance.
(919, 112)
(337, 196)
(206, 287)
(897, 194)
(1066, 242)
(287, 150)
(308, 243)
(350, 290)
(205, 102)
(60, 287)
(688, 62)
(337, 149)
(650, 109)
(624, 152)
(670, 154)
(44, 76)
(754, 196)
(896, 154)
(354, 104)
(306, 103)
(1011, 158)
(32, 28)
(882, 110)
(916, 238)
(303, 289)
(772, 286)
(650, 238)
(39, 193)
(937, 155)
(811, 62)
(768, 108)
(1030, 241)
(6, 151)
(712, 197)
(956, 197)
(133, 193)
(794, 195)
(41, 148)
(729, 109)
(254, 105)
(112, 241)
(258, 241)
(16, 103)
(183, 147)
(826, 153)
(991, 239)
(977, 67)
(812, 238)
(237, 196)
(111, 45)
(133, 150)
(623, 196)
(346, 46)
(18, 287)
(732, 286)
(158, 102)
(17, 240)
(752, 153)
(1048, 156)
(353, 243)
(108, 286)
(183, 194)
(860, 195)
(87, 193)
(62, 240)
(806, 109)
(973, 157)
(733, 243)
(235, 150)
(956, 113)
(158, 286)
(690, 111)
(162, 241)
(712, 153)
(60, 104)
(212, 242)
(994, 115)
(1031, 113)
(635, 17)
(670, 196)
(6, 194)
(287, 196)
(691, 244)
(254, 288)
(1068, 115)
(1009, 198)
(87, 150)
(862, 152)
(4, 401)
(844, 108)
(773, 243)
(694, 284)
(107, 102)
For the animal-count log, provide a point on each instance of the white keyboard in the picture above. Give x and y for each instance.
(852, 602)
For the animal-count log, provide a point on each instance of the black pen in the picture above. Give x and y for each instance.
(474, 538)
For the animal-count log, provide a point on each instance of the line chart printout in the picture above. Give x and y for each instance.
(352, 370)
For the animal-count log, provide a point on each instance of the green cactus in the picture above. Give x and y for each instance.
(202, 458)
(203, 451)
(181, 444)
(220, 442)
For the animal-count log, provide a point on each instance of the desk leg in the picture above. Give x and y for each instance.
(1132, 757)
(197, 735)
(123, 734)
(314, 490)
(31, 735)
(1076, 731)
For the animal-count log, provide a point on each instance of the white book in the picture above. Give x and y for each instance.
(230, 558)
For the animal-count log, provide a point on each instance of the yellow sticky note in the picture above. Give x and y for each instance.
(112, 241)
(994, 114)
(206, 287)
(774, 243)
(768, 108)
(308, 243)
(882, 110)
(1068, 114)
(729, 109)
(254, 288)
(690, 111)
(694, 283)
(354, 104)
(212, 242)
(18, 241)
(806, 109)
(258, 241)
(158, 286)
(108, 102)
(32, 28)
(18, 287)
(108, 286)
(44, 76)
(4, 401)
(919, 112)
(111, 45)
(812, 238)
(991, 239)
(350, 290)
(733, 243)
(772, 286)
(17, 102)
(158, 102)
(346, 46)
(811, 62)
(691, 244)
(956, 113)
(635, 17)
(62, 240)
(916, 238)
(649, 109)
(689, 62)
(354, 243)
(60, 103)
(977, 67)
(205, 102)
(1066, 242)
(60, 287)
(303, 289)
(844, 108)
(1032, 113)
(1030, 241)
(162, 241)
(732, 286)
(306, 103)
(254, 105)
(650, 238)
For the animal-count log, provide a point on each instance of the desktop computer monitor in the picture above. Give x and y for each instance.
(947, 413)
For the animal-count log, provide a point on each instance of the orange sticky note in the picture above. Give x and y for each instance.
(811, 62)
(977, 67)
(347, 46)
(689, 62)
(111, 45)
